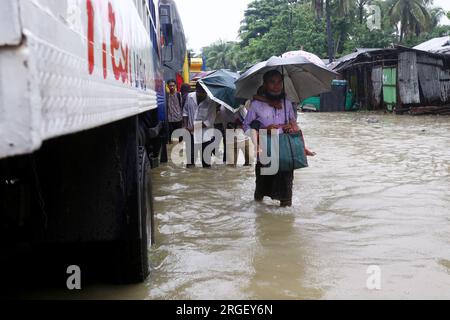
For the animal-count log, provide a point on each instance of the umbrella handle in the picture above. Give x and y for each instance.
(284, 100)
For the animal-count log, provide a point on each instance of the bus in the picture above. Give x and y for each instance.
(173, 39)
(82, 99)
(175, 59)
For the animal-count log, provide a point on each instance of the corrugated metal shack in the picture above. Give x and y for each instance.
(398, 79)
(436, 45)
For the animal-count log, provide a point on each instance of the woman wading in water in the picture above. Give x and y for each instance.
(267, 111)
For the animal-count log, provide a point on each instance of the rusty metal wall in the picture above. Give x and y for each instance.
(408, 80)
(377, 86)
(429, 69)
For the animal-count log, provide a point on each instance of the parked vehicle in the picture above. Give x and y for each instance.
(81, 104)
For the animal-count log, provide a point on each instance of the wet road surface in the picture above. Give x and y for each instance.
(378, 193)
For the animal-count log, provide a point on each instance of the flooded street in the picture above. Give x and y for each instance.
(92, 90)
(376, 194)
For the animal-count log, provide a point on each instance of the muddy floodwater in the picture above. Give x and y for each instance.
(377, 194)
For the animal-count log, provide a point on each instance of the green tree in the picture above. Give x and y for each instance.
(259, 18)
(359, 35)
(272, 27)
(360, 5)
(223, 55)
(362, 37)
(295, 28)
(317, 6)
(436, 14)
(411, 16)
(329, 31)
(337, 9)
(439, 31)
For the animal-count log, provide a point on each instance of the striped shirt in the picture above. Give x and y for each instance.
(174, 113)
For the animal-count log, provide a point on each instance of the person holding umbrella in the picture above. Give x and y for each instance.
(284, 81)
(271, 110)
(199, 109)
(220, 87)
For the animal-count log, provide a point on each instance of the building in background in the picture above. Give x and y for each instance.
(400, 79)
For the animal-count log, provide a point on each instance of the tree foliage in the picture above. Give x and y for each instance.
(223, 55)
(272, 27)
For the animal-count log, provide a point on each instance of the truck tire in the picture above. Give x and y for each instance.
(145, 214)
(147, 207)
(96, 190)
(132, 260)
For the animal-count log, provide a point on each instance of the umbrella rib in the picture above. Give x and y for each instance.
(212, 97)
(299, 69)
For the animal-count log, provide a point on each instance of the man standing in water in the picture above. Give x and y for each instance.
(199, 110)
(174, 109)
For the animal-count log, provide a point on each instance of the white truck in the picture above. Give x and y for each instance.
(81, 99)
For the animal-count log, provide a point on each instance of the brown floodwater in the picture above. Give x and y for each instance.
(377, 193)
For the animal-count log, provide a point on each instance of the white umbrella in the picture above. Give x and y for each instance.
(305, 54)
(302, 78)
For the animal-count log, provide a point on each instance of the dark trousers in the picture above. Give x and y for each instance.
(219, 126)
(206, 156)
(233, 152)
(278, 187)
(191, 152)
(191, 155)
(174, 126)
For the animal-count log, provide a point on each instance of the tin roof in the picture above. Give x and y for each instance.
(436, 45)
(346, 60)
(364, 53)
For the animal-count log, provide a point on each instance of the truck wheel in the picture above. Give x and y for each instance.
(146, 213)
(87, 201)
(134, 251)
(147, 207)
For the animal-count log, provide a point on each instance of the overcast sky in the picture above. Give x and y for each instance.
(206, 21)
(444, 4)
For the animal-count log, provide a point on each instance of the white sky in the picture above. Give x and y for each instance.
(444, 4)
(206, 21)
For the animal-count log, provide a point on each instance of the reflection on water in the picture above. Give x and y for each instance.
(376, 194)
